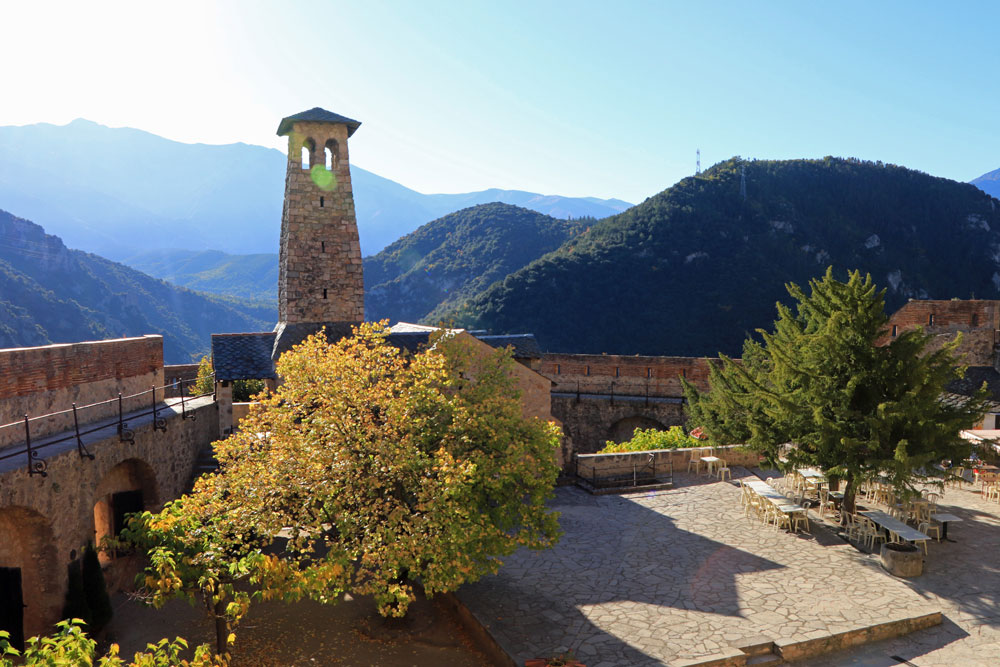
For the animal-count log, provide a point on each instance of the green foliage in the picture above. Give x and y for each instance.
(71, 647)
(95, 589)
(851, 407)
(377, 469)
(205, 381)
(445, 261)
(649, 439)
(245, 390)
(694, 268)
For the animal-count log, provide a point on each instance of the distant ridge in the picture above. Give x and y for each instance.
(51, 294)
(120, 191)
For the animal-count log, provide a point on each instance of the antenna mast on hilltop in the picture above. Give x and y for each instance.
(697, 162)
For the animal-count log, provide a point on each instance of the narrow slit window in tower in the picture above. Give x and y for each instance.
(324, 292)
(322, 246)
(930, 319)
(321, 201)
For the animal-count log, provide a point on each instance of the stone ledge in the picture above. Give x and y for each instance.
(791, 649)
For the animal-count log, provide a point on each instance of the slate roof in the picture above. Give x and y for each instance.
(974, 378)
(243, 356)
(289, 335)
(525, 345)
(317, 115)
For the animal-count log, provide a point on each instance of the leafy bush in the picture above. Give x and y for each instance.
(647, 439)
(71, 647)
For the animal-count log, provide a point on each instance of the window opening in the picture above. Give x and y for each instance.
(332, 152)
(308, 146)
(930, 319)
(324, 292)
(322, 246)
(894, 328)
(321, 200)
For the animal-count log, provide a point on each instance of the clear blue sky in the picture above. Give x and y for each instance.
(574, 98)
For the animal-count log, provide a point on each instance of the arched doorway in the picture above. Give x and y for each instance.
(623, 429)
(127, 488)
(30, 587)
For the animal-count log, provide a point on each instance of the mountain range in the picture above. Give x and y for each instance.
(51, 294)
(122, 192)
(696, 268)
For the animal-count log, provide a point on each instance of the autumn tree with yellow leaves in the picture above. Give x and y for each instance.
(366, 471)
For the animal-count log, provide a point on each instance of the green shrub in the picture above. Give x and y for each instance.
(645, 440)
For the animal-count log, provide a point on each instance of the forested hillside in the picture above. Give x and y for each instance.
(420, 276)
(693, 269)
(51, 294)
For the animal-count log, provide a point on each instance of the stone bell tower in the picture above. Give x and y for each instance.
(320, 281)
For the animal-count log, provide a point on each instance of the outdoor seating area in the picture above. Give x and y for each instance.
(762, 501)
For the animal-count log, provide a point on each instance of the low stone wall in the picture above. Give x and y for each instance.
(598, 466)
(49, 379)
(240, 410)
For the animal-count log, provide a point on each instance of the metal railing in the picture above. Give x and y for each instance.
(37, 465)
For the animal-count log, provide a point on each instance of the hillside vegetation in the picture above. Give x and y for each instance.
(51, 294)
(417, 278)
(694, 269)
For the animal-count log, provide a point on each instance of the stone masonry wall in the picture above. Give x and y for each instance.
(634, 376)
(50, 518)
(590, 422)
(319, 277)
(175, 374)
(48, 379)
(978, 320)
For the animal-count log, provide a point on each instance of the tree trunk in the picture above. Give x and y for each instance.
(221, 628)
(850, 491)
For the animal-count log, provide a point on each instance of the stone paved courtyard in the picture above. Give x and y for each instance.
(679, 575)
(962, 578)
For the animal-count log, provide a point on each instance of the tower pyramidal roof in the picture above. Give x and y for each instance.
(317, 115)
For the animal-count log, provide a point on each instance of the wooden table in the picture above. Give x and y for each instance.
(896, 526)
(944, 519)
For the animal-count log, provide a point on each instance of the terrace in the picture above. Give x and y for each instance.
(683, 577)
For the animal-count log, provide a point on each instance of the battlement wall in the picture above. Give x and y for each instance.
(47, 379)
(631, 376)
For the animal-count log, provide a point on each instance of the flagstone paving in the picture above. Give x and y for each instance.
(668, 576)
(962, 578)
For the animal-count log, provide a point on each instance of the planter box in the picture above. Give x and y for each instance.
(902, 560)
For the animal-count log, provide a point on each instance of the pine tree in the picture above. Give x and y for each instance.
(822, 383)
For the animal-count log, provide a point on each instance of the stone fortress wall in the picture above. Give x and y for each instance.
(978, 320)
(40, 380)
(624, 375)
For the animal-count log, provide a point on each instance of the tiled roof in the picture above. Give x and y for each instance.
(411, 341)
(289, 335)
(525, 345)
(242, 356)
(317, 115)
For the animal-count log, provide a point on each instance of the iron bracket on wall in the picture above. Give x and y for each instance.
(80, 448)
(125, 434)
(159, 423)
(36, 465)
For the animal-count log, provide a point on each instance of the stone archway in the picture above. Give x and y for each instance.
(623, 429)
(29, 561)
(128, 487)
